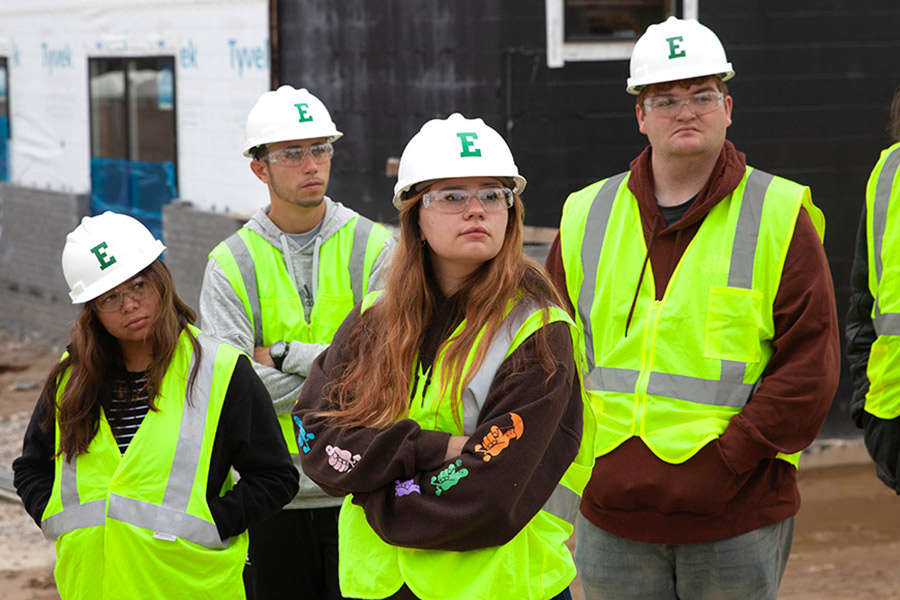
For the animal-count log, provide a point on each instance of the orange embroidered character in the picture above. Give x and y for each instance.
(497, 439)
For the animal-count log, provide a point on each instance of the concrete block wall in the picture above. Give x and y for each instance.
(190, 234)
(33, 228)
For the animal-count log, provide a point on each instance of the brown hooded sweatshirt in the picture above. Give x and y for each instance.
(734, 484)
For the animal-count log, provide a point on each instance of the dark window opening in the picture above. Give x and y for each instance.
(133, 142)
(5, 133)
(606, 20)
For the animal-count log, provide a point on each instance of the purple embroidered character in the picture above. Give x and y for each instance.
(405, 488)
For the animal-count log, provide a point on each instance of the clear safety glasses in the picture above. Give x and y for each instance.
(455, 201)
(136, 289)
(294, 156)
(699, 104)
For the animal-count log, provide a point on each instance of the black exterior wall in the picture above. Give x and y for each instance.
(811, 95)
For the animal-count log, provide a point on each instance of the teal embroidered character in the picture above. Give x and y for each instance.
(449, 477)
(303, 437)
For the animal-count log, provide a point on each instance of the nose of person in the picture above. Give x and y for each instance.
(309, 165)
(475, 210)
(685, 111)
(128, 303)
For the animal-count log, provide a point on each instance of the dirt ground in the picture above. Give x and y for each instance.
(846, 547)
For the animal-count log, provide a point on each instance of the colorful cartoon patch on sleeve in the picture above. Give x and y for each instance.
(341, 460)
(303, 437)
(405, 488)
(498, 439)
(449, 477)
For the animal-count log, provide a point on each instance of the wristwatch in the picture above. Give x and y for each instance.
(278, 351)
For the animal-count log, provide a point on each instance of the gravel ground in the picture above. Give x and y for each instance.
(26, 558)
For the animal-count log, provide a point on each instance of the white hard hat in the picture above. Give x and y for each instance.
(455, 147)
(105, 251)
(288, 114)
(677, 49)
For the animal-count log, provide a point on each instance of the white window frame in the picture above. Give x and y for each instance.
(559, 52)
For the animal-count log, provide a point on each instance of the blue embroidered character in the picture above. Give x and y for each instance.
(303, 437)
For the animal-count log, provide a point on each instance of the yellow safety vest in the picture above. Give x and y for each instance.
(691, 360)
(882, 220)
(534, 565)
(138, 525)
(256, 270)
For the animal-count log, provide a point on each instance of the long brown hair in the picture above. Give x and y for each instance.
(894, 127)
(94, 357)
(373, 390)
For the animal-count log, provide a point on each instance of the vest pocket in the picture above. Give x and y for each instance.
(733, 323)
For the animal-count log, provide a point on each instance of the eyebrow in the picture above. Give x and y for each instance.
(132, 281)
(461, 187)
(703, 89)
(297, 146)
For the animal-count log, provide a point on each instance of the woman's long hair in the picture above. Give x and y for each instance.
(894, 126)
(94, 356)
(373, 391)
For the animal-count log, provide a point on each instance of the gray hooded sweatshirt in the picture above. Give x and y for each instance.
(222, 315)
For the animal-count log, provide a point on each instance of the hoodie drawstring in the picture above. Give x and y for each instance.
(315, 270)
(637, 288)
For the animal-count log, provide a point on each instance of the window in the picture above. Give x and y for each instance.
(133, 149)
(588, 30)
(4, 120)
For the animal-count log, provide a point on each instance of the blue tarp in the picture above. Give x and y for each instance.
(135, 188)
(4, 147)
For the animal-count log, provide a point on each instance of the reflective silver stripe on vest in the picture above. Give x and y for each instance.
(609, 379)
(247, 268)
(729, 390)
(563, 503)
(90, 514)
(171, 516)
(594, 232)
(885, 323)
(743, 252)
(476, 392)
(700, 391)
(74, 514)
(357, 262)
(165, 520)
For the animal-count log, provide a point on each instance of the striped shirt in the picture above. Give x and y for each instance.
(127, 407)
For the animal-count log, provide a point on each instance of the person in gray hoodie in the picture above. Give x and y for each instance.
(278, 289)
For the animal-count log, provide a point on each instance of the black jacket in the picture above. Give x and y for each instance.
(248, 439)
(882, 436)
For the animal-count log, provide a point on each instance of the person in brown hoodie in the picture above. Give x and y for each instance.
(709, 322)
(448, 409)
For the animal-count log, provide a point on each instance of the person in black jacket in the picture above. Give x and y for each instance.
(873, 341)
(127, 461)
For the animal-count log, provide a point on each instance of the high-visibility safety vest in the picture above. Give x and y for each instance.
(882, 223)
(534, 565)
(138, 525)
(257, 271)
(689, 361)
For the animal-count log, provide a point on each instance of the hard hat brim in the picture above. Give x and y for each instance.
(400, 193)
(636, 84)
(274, 139)
(122, 274)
